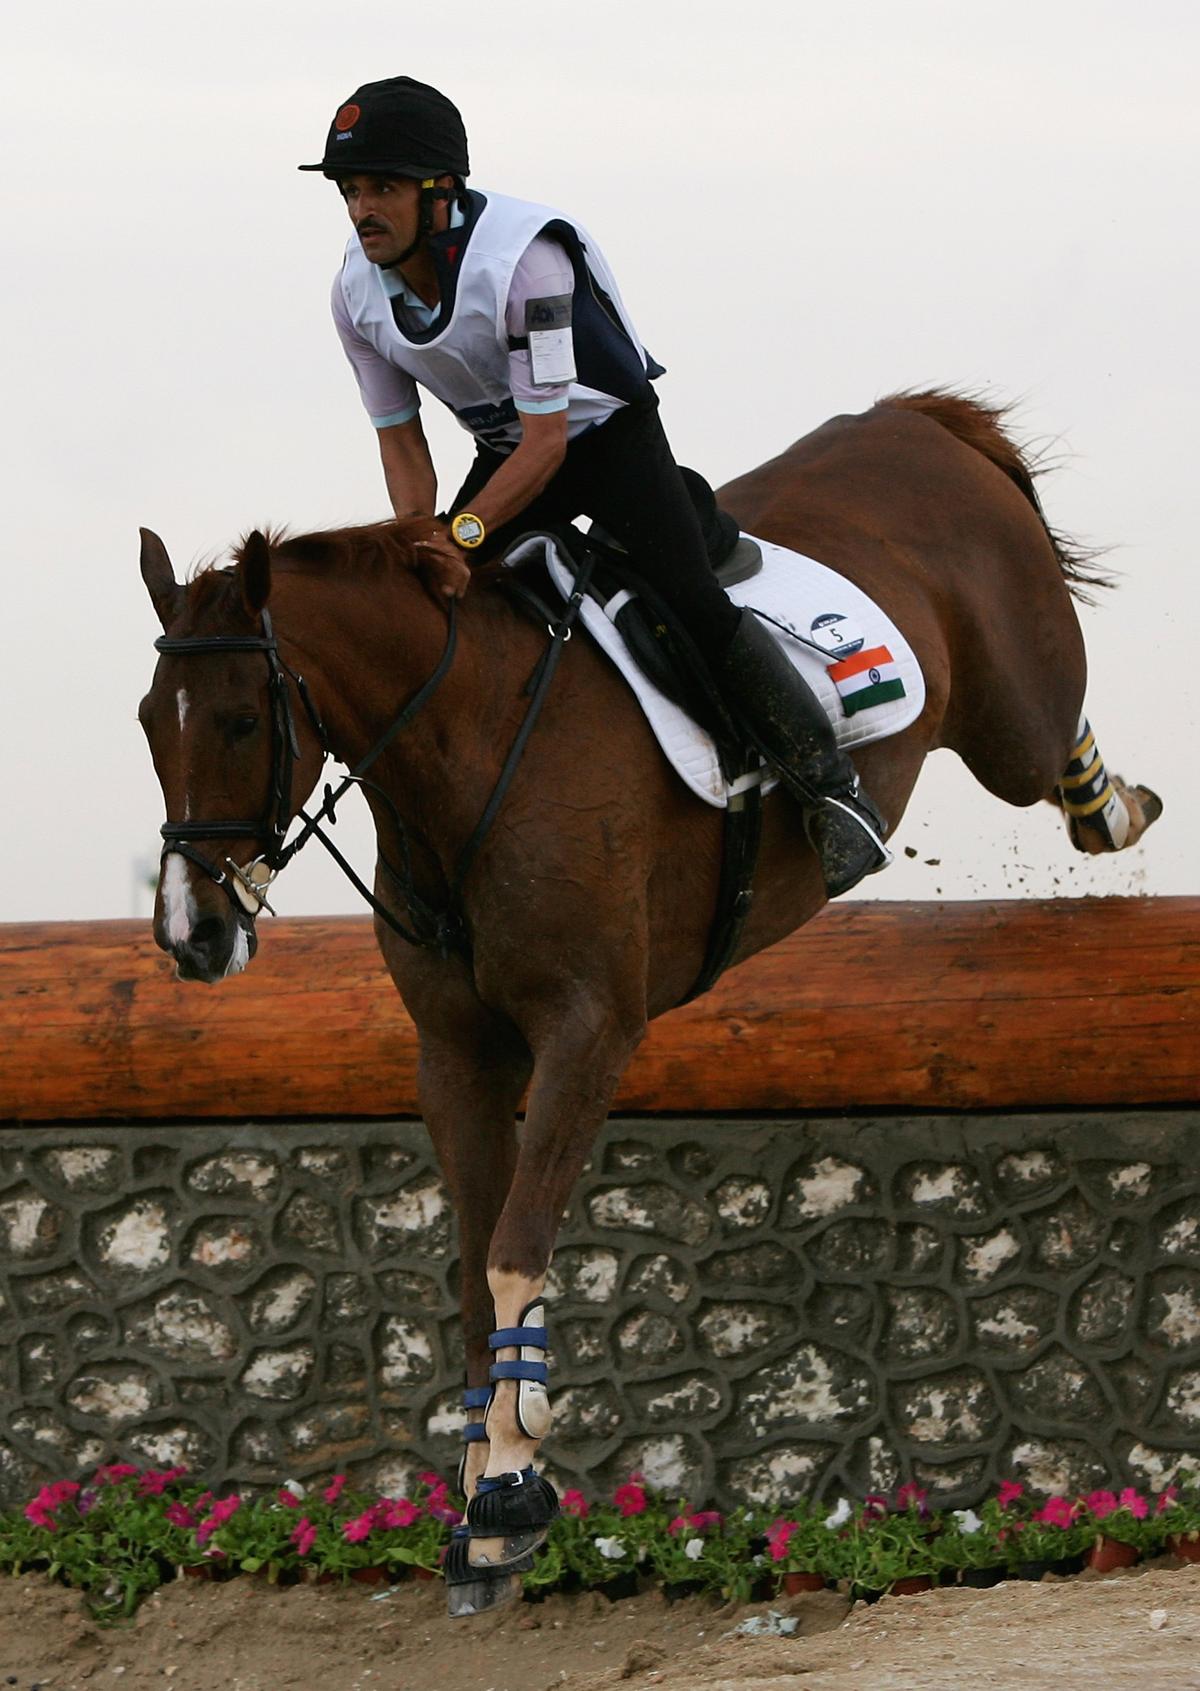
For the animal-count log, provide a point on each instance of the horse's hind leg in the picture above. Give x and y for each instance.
(1103, 813)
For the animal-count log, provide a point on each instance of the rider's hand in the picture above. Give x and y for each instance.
(443, 568)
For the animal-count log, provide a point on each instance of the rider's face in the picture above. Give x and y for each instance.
(385, 211)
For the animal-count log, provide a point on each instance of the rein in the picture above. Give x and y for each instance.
(246, 885)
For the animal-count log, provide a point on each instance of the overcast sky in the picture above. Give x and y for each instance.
(807, 206)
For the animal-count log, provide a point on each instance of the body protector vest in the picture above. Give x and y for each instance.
(462, 358)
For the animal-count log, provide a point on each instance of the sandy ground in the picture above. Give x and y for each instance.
(1137, 1628)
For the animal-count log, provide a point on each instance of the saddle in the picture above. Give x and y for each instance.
(660, 646)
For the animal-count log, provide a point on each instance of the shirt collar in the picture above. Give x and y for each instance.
(395, 287)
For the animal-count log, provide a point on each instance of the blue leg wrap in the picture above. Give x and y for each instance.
(517, 1508)
(475, 1432)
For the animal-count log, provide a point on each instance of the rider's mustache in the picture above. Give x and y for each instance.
(368, 226)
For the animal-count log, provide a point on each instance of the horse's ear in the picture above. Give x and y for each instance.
(254, 568)
(165, 592)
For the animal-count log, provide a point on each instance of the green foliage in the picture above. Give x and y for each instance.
(122, 1534)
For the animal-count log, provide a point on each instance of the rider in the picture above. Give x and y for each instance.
(509, 314)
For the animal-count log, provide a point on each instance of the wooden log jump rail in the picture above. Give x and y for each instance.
(891, 1006)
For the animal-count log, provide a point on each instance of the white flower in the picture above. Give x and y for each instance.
(694, 1549)
(841, 1514)
(296, 1489)
(613, 1548)
(968, 1520)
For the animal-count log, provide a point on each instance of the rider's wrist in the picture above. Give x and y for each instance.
(467, 530)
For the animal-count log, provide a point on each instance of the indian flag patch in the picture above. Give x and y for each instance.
(866, 679)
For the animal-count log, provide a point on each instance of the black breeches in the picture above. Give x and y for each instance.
(624, 477)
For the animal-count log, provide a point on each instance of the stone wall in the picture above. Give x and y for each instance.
(743, 1309)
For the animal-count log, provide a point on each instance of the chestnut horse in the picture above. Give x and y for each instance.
(587, 907)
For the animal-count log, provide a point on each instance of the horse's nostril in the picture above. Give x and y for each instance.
(206, 932)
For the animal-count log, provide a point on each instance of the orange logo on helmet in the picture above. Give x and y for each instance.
(347, 117)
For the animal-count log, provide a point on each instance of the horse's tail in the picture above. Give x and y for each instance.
(980, 425)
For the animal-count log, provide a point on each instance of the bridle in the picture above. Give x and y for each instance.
(246, 885)
(271, 827)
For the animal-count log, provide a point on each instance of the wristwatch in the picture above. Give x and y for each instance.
(467, 530)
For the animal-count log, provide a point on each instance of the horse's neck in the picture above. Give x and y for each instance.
(367, 646)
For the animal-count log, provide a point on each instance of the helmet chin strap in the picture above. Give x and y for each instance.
(429, 196)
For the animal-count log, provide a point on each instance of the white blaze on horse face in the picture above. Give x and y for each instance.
(182, 701)
(240, 955)
(178, 902)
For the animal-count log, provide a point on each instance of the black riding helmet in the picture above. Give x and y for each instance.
(396, 128)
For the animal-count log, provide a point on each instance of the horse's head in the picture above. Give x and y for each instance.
(235, 757)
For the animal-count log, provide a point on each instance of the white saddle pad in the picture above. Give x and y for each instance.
(852, 655)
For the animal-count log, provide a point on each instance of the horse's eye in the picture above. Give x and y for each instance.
(241, 726)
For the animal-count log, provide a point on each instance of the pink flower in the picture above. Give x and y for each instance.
(630, 1498)
(359, 1528)
(575, 1503)
(304, 1535)
(334, 1489)
(1009, 1491)
(113, 1473)
(1101, 1503)
(287, 1498)
(396, 1512)
(156, 1480)
(694, 1520)
(220, 1512)
(875, 1504)
(180, 1515)
(910, 1496)
(443, 1511)
(40, 1510)
(1166, 1499)
(435, 1482)
(1055, 1512)
(1137, 1505)
(778, 1535)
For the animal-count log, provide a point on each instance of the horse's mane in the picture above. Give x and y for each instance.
(980, 423)
(364, 547)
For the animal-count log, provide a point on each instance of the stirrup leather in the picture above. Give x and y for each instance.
(528, 1369)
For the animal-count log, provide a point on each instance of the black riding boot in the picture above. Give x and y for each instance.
(787, 723)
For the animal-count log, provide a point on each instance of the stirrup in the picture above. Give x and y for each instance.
(846, 831)
(475, 1432)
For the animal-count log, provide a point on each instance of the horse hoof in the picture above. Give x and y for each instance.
(477, 1596)
(1152, 805)
(512, 1552)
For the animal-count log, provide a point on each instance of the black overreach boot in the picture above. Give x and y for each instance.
(786, 722)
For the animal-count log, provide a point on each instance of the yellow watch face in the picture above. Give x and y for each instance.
(467, 529)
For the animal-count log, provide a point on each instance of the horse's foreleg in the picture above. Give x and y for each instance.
(1103, 813)
(575, 1077)
(469, 1095)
